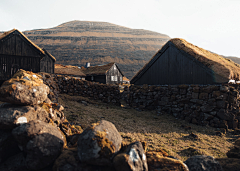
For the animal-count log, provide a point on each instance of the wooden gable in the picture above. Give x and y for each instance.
(15, 43)
(173, 66)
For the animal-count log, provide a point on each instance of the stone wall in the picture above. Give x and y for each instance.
(214, 105)
(74, 86)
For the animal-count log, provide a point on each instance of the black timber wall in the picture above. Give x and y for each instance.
(17, 53)
(97, 78)
(173, 66)
(47, 64)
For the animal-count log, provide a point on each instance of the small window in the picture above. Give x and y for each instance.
(120, 78)
(112, 78)
(92, 78)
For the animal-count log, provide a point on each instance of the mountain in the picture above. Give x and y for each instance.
(234, 59)
(78, 42)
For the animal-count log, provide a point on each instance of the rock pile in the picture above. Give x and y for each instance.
(32, 128)
(35, 135)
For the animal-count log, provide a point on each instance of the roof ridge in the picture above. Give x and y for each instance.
(11, 31)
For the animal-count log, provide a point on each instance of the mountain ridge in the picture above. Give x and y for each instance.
(77, 42)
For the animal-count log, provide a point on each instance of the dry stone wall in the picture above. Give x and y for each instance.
(214, 105)
(73, 86)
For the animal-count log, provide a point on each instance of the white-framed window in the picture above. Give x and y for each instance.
(113, 78)
(120, 78)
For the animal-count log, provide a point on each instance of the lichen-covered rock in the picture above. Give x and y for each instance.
(159, 160)
(42, 143)
(14, 163)
(69, 161)
(8, 145)
(12, 115)
(134, 159)
(229, 164)
(98, 143)
(25, 87)
(234, 152)
(203, 163)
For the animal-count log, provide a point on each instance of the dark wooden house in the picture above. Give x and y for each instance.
(107, 74)
(18, 52)
(180, 62)
(47, 63)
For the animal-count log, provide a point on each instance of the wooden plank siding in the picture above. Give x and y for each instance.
(114, 72)
(16, 52)
(173, 66)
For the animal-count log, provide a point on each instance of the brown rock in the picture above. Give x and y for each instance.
(134, 159)
(8, 145)
(234, 152)
(203, 163)
(25, 88)
(98, 143)
(69, 161)
(12, 115)
(229, 164)
(158, 162)
(203, 96)
(41, 142)
(225, 115)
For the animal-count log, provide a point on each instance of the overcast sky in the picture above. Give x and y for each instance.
(211, 24)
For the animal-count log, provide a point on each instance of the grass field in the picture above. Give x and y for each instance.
(159, 131)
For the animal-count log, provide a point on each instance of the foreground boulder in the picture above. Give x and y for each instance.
(69, 161)
(159, 160)
(25, 88)
(8, 145)
(234, 152)
(98, 143)
(229, 164)
(134, 159)
(41, 142)
(12, 115)
(203, 163)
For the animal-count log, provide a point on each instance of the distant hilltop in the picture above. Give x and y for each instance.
(78, 42)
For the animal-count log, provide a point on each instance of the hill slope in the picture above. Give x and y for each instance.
(78, 42)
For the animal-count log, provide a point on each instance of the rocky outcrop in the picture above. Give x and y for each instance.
(33, 130)
(203, 163)
(13, 115)
(159, 160)
(98, 143)
(25, 88)
(133, 159)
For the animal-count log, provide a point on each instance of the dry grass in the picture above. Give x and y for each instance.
(159, 131)
(92, 70)
(68, 70)
(222, 66)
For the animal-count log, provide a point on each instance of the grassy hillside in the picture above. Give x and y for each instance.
(78, 42)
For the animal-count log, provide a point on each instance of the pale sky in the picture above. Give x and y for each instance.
(211, 24)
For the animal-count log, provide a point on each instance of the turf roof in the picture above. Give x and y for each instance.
(68, 70)
(220, 65)
(97, 70)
